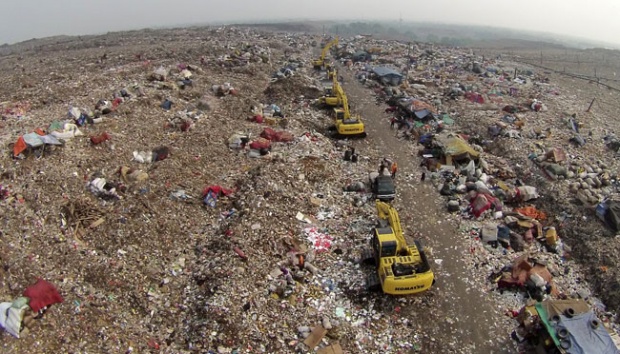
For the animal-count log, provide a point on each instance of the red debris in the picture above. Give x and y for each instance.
(98, 139)
(42, 294)
(239, 252)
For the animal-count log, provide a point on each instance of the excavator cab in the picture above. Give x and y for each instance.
(331, 71)
(384, 247)
(338, 114)
(332, 95)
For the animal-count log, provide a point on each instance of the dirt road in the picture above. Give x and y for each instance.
(456, 316)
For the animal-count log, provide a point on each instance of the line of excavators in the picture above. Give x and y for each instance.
(346, 124)
(401, 269)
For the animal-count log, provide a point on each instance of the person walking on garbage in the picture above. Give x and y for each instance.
(394, 169)
(388, 163)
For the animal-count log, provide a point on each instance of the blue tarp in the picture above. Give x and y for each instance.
(383, 71)
(36, 140)
(422, 114)
(584, 338)
(581, 333)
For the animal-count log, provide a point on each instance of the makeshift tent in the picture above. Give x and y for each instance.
(42, 294)
(579, 333)
(33, 140)
(387, 75)
(412, 105)
(456, 149)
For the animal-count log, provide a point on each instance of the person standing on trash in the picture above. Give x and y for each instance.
(388, 163)
(394, 169)
(382, 168)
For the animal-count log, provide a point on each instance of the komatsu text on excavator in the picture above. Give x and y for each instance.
(401, 269)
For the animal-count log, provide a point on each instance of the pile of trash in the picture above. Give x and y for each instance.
(517, 187)
(238, 227)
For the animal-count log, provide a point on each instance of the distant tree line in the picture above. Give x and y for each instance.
(396, 31)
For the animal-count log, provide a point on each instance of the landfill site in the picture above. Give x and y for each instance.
(237, 190)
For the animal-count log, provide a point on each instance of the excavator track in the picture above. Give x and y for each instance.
(373, 283)
(352, 136)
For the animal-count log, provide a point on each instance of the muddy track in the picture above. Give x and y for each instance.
(459, 317)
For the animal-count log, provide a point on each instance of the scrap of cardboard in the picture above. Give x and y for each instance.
(315, 337)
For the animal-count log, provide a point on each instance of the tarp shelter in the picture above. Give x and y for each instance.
(361, 56)
(416, 108)
(33, 140)
(584, 333)
(456, 148)
(387, 75)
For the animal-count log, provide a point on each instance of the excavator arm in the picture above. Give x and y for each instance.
(389, 213)
(327, 47)
(345, 105)
(321, 60)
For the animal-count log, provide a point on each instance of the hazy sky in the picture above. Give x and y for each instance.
(26, 19)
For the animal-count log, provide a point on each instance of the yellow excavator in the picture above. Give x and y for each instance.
(401, 269)
(346, 125)
(332, 95)
(331, 72)
(320, 62)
